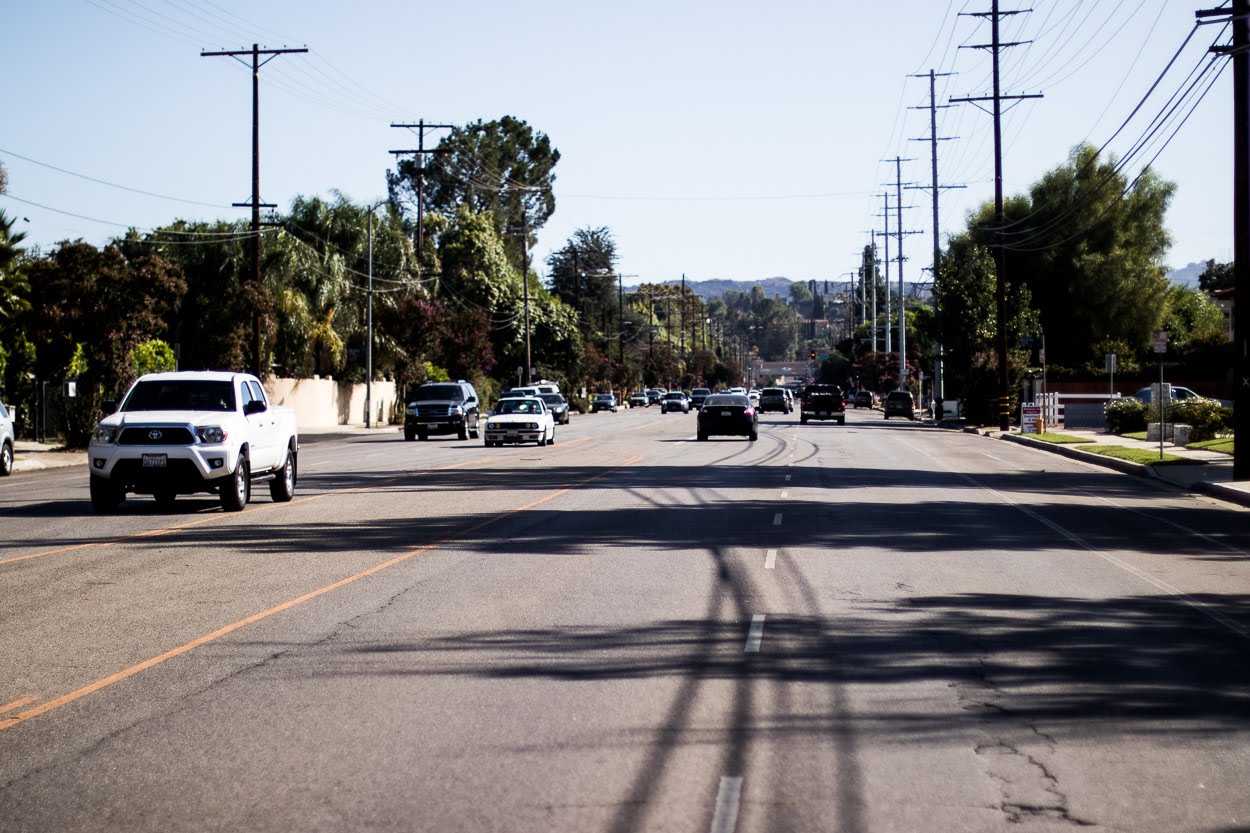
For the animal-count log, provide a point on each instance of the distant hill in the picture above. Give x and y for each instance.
(1187, 275)
(717, 287)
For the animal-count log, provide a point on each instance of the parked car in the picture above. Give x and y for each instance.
(675, 400)
(728, 414)
(520, 420)
(697, 396)
(865, 399)
(443, 408)
(7, 438)
(558, 406)
(822, 402)
(775, 399)
(603, 402)
(1179, 394)
(638, 399)
(900, 403)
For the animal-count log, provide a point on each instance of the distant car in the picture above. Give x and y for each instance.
(654, 396)
(865, 399)
(520, 420)
(7, 438)
(728, 414)
(900, 403)
(603, 402)
(1179, 394)
(697, 396)
(558, 405)
(675, 400)
(638, 399)
(775, 399)
(822, 402)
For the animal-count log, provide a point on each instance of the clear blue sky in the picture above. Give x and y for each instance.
(721, 139)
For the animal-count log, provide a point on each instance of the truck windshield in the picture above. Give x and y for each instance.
(180, 395)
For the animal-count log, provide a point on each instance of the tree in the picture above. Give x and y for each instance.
(583, 272)
(501, 168)
(1193, 319)
(1216, 276)
(1089, 246)
(14, 287)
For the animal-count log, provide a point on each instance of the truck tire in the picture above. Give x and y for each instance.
(410, 434)
(463, 433)
(423, 434)
(235, 492)
(282, 487)
(105, 497)
(6, 459)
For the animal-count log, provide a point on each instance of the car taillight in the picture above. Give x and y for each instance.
(749, 412)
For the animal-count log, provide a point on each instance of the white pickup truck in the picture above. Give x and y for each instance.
(189, 432)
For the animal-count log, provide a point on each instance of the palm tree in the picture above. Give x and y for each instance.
(14, 286)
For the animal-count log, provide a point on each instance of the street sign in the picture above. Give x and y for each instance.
(1111, 362)
(1029, 414)
(1161, 341)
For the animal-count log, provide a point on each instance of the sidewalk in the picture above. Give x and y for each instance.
(29, 455)
(1208, 472)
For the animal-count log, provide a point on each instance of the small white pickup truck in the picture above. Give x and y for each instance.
(189, 432)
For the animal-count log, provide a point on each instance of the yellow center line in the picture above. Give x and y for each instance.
(152, 533)
(126, 673)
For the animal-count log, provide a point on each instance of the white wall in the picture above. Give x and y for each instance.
(325, 403)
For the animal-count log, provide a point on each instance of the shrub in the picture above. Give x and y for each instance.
(1126, 415)
(1207, 416)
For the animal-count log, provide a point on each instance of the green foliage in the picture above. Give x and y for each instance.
(501, 169)
(1208, 418)
(14, 286)
(1216, 276)
(154, 356)
(1126, 415)
(1192, 318)
(1145, 457)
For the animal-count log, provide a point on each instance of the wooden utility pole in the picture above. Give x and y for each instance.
(1239, 14)
(1000, 293)
(420, 151)
(254, 203)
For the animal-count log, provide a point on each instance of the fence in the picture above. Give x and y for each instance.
(1076, 410)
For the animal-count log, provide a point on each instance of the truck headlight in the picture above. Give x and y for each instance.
(105, 434)
(211, 434)
(456, 410)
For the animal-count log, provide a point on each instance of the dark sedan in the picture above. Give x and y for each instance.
(775, 399)
(727, 414)
(558, 406)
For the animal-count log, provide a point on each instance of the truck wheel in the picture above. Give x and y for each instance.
(6, 459)
(702, 437)
(282, 487)
(803, 420)
(842, 421)
(474, 434)
(105, 497)
(552, 439)
(410, 434)
(234, 494)
(463, 433)
(422, 434)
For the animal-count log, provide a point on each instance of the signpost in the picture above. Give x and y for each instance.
(1161, 347)
(1029, 414)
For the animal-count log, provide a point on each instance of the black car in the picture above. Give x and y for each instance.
(865, 399)
(558, 406)
(697, 396)
(727, 414)
(442, 408)
(775, 399)
(900, 403)
(654, 396)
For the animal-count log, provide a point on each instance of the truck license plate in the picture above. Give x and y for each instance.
(154, 461)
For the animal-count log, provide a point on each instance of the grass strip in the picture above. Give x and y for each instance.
(1136, 435)
(1224, 445)
(1137, 455)
(1059, 439)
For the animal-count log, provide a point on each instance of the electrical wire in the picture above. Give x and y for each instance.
(110, 184)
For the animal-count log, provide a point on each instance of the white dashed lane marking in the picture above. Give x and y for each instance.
(777, 519)
(770, 560)
(755, 635)
(725, 819)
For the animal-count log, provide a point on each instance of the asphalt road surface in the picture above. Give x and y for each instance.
(881, 626)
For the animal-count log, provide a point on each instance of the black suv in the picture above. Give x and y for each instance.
(442, 408)
(822, 402)
(900, 403)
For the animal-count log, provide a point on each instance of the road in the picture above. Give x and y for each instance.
(882, 626)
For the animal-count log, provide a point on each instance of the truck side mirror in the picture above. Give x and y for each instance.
(254, 407)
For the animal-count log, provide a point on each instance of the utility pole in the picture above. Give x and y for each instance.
(525, 283)
(902, 293)
(620, 319)
(254, 203)
(420, 152)
(1240, 52)
(1000, 292)
(681, 333)
(888, 344)
(936, 189)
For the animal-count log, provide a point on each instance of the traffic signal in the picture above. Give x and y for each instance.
(813, 355)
